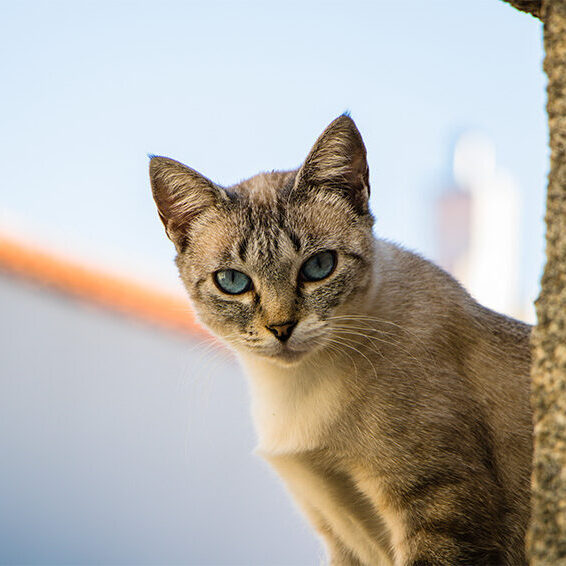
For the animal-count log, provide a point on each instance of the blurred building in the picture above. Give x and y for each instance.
(478, 226)
(125, 435)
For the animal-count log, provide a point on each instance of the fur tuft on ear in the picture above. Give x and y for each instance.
(338, 162)
(181, 193)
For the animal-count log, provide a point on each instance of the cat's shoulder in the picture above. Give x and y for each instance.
(417, 284)
(407, 270)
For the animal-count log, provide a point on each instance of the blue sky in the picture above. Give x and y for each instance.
(233, 88)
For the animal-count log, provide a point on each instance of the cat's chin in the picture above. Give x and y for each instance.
(283, 356)
(288, 357)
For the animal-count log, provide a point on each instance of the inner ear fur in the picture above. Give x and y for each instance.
(180, 193)
(338, 162)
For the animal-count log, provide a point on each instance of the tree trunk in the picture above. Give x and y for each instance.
(547, 536)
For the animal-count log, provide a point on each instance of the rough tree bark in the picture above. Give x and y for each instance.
(547, 535)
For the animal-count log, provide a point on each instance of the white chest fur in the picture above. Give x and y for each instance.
(293, 407)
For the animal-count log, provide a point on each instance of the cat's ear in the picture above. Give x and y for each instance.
(181, 193)
(337, 162)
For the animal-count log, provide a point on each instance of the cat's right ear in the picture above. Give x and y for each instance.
(181, 193)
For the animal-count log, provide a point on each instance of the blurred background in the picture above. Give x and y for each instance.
(124, 430)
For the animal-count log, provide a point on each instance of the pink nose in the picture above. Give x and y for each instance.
(282, 331)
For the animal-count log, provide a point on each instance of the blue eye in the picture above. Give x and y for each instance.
(319, 266)
(232, 282)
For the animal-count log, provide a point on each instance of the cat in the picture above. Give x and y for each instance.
(394, 407)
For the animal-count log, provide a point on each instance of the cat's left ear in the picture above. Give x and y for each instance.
(337, 162)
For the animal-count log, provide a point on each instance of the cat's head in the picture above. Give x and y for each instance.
(270, 261)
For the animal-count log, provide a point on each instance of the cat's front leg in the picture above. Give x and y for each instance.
(452, 525)
(434, 549)
(338, 553)
(435, 520)
(341, 556)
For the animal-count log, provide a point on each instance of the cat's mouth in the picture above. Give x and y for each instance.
(284, 353)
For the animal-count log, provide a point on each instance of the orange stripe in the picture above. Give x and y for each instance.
(114, 292)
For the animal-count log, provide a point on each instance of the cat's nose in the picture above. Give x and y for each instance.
(282, 331)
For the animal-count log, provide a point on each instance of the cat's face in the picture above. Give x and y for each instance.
(268, 263)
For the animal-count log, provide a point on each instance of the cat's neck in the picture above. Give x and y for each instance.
(294, 406)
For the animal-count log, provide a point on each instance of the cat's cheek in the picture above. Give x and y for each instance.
(324, 300)
(227, 318)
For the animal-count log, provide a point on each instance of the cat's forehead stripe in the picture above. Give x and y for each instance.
(268, 231)
(243, 248)
(294, 240)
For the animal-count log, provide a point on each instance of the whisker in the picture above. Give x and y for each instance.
(329, 344)
(344, 343)
(390, 342)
